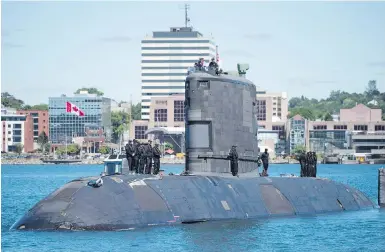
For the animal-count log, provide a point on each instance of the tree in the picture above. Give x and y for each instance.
(42, 140)
(304, 112)
(120, 123)
(136, 111)
(371, 89)
(71, 149)
(90, 91)
(41, 106)
(328, 117)
(19, 148)
(104, 150)
(8, 100)
(299, 149)
(168, 146)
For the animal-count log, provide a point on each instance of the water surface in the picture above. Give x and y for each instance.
(25, 185)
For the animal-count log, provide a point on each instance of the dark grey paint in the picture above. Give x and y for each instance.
(177, 199)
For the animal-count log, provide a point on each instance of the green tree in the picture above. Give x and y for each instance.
(328, 117)
(42, 140)
(304, 112)
(40, 107)
(371, 89)
(90, 91)
(168, 146)
(19, 148)
(8, 100)
(104, 150)
(120, 123)
(136, 111)
(299, 149)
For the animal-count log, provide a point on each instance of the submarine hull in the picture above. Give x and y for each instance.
(132, 201)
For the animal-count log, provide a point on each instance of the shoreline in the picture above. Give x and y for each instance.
(35, 161)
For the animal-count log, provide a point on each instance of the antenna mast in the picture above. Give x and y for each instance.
(186, 18)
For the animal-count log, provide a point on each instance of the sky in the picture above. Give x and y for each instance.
(302, 48)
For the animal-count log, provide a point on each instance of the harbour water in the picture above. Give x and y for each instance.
(24, 185)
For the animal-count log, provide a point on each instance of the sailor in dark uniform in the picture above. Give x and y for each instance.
(156, 153)
(148, 157)
(213, 65)
(130, 153)
(142, 158)
(135, 163)
(233, 156)
(265, 162)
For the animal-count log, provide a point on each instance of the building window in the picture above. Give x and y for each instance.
(35, 133)
(178, 111)
(278, 128)
(17, 126)
(319, 127)
(161, 102)
(340, 127)
(361, 127)
(379, 128)
(139, 132)
(160, 115)
(35, 120)
(261, 110)
(9, 125)
(43, 114)
(9, 139)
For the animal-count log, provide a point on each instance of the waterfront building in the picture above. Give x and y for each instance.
(16, 130)
(40, 124)
(166, 56)
(166, 122)
(77, 116)
(272, 111)
(360, 128)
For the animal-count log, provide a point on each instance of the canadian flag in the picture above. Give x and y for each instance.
(72, 108)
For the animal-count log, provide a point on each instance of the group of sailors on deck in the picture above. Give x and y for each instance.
(140, 157)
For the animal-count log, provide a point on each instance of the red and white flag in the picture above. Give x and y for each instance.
(72, 108)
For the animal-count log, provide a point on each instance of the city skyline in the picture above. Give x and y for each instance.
(305, 48)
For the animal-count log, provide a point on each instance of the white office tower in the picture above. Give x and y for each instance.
(166, 56)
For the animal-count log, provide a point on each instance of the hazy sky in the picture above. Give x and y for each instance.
(303, 48)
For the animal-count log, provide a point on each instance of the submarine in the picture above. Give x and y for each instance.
(220, 111)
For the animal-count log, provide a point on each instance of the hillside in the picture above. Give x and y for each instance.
(313, 109)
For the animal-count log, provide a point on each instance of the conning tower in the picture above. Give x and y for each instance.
(220, 112)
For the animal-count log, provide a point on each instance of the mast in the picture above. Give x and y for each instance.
(186, 18)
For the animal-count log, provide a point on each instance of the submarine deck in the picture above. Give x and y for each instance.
(131, 201)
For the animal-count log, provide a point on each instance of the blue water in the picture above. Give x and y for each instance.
(24, 185)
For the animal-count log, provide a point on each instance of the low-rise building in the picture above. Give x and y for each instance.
(360, 128)
(16, 130)
(40, 123)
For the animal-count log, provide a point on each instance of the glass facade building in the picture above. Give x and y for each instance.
(63, 125)
(326, 140)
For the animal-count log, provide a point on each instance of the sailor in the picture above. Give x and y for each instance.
(156, 153)
(148, 157)
(200, 64)
(142, 158)
(136, 156)
(213, 65)
(265, 162)
(233, 156)
(130, 153)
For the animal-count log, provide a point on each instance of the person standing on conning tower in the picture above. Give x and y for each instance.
(233, 156)
(213, 65)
